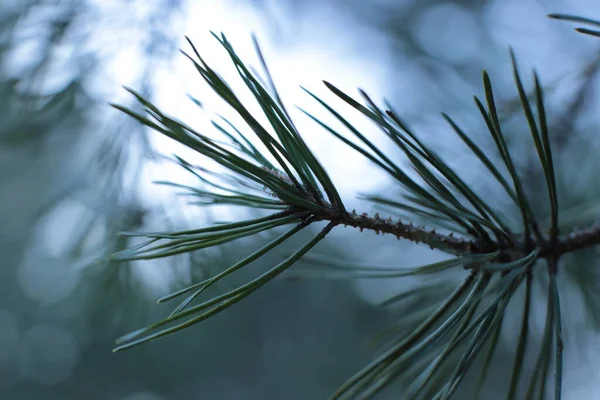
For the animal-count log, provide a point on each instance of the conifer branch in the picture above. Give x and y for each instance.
(288, 178)
(563, 244)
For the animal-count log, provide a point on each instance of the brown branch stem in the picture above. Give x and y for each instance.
(563, 244)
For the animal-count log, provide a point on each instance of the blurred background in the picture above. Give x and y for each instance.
(74, 172)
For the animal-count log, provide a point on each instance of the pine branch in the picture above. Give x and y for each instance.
(564, 244)
(288, 177)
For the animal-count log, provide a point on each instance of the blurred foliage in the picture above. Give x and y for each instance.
(66, 171)
(68, 183)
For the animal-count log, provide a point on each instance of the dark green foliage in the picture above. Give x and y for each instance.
(488, 261)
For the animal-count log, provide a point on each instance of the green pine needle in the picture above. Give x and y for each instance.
(433, 346)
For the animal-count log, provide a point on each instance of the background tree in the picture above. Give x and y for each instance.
(71, 182)
(45, 194)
